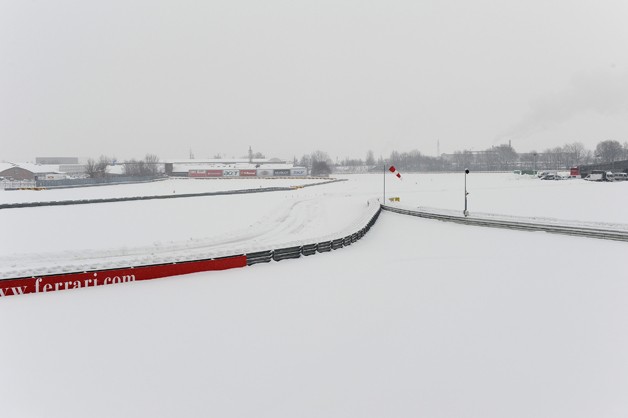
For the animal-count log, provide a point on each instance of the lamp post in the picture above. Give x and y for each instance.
(384, 197)
(466, 212)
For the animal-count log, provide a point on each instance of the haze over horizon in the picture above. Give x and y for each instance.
(287, 78)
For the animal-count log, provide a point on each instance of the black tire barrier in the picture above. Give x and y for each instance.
(313, 248)
(286, 253)
(323, 247)
(259, 257)
(309, 249)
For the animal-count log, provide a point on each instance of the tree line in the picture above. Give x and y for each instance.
(497, 158)
(149, 166)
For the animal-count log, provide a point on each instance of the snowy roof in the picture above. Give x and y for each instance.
(33, 168)
(116, 169)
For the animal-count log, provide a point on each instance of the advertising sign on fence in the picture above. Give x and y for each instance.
(214, 173)
(197, 173)
(298, 171)
(44, 284)
(282, 172)
(230, 173)
(248, 173)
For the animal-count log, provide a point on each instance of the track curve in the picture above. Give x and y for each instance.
(589, 231)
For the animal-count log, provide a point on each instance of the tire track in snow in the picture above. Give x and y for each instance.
(272, 229)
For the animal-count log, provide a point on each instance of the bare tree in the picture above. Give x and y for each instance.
(306, 161)
(90, 168)
(152, 162)
(608, 151)
(370, 158)
(95, 169)
(554, 158)
(505, 156)
(131, 168)
(146, 167)
(321, 156)
(576, 152)
(320, 168)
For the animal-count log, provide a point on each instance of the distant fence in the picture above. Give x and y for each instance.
(154, 197)
(16, 185)
(100, 181)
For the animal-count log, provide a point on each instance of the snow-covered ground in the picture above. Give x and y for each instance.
(156, 188)
(46, 240)
(419, 318)
(70, 238)
(507, 194)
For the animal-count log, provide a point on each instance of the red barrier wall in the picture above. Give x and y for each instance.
(43, 284)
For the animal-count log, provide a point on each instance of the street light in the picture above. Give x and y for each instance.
(466, 212)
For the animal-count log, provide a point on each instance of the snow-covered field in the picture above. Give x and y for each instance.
(510, 194)
(156, 188)
(419, 318)
(43, 239)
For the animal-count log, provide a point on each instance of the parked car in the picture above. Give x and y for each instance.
(620, 176)
(550, 177)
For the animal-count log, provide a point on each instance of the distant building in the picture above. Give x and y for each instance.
(180, 166)
(26, 171)
(73, 169)
(56, 160)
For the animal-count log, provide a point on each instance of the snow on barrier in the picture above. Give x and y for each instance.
(345, 238)
(51, 283)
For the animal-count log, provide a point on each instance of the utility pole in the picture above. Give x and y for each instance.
(466, 212)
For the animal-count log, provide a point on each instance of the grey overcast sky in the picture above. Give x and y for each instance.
(123, 78)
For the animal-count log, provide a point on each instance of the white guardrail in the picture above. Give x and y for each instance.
(609, 231)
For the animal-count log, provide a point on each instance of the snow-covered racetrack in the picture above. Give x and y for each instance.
(50, 240)
(420, 318)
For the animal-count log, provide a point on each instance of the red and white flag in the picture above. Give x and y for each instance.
(393, 170)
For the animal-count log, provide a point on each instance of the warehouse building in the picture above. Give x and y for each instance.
(27, 171)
